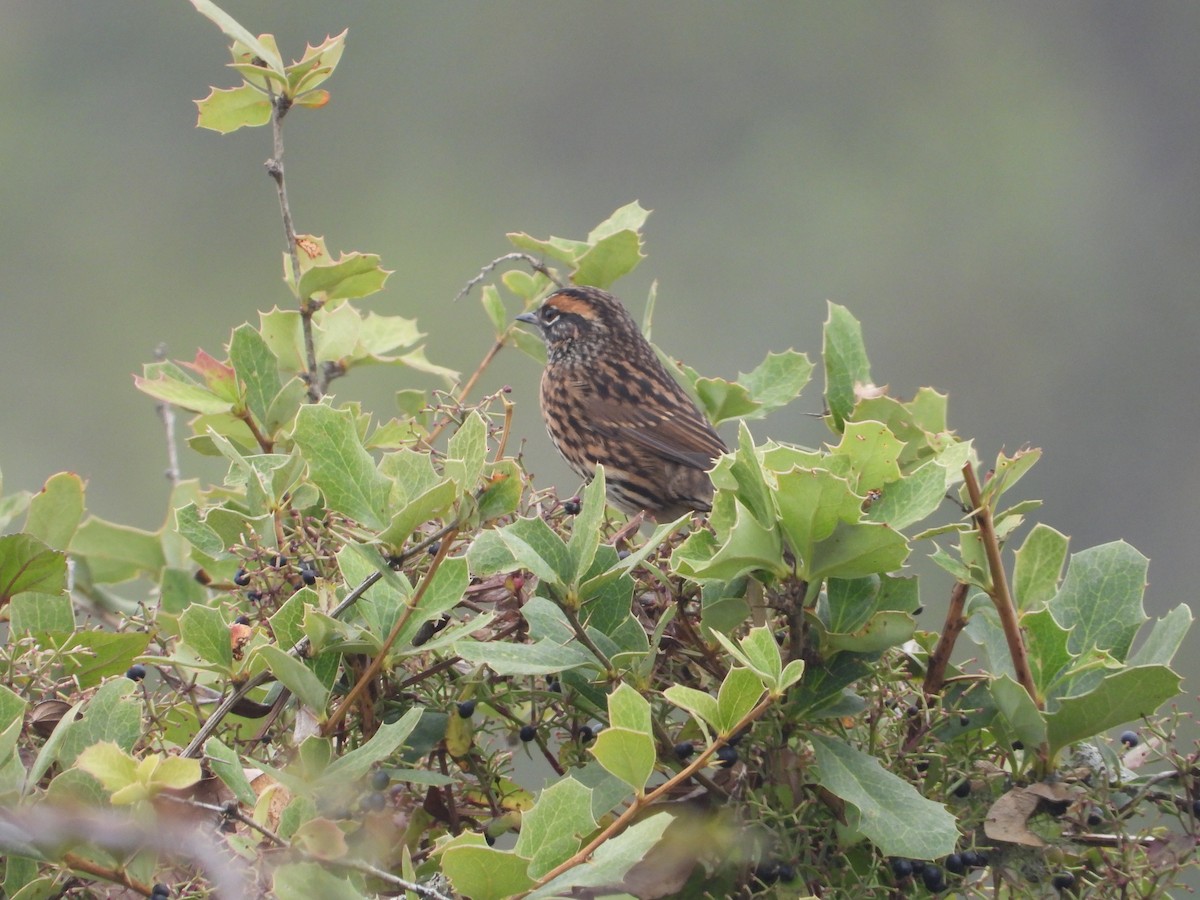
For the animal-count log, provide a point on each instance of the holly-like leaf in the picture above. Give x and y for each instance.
(26, 564)
(846, 367)
(340, 466)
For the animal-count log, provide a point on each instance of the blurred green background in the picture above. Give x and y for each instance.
(1006, 194)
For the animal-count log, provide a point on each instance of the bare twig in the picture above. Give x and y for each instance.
(1002, 597)
(316, 377)
(534, 263)
(166, 412)
(939, 659)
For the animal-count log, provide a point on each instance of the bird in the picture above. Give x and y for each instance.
(606, 398)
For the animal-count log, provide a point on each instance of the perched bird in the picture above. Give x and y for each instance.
(607, 399)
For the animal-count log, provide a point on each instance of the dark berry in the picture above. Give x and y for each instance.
(435, 548)
(684, 749)
(913, 710)
(955, 863)
(918, 610)
(527, 733)
(901, 867)
(727, 756)
(1094, 817)
(553, 686)
(572, 507)
(278, 561)
(424, 633)
(786, 872)
(736, 739)
(964, 720)
(308, 573)
(380, 780)
(254, 596)
(971, 859)
(136, 672)
(374, 801)
(962, 789)
(1130, 738)
(1063, 881)
(491, 841)
(1018, 745)
(586, 734)
(242, 620)
(241, 578)
(466, 709)
(160, 892)
(933, 878)
(1196, 808)
(922, 765)
(767, 872)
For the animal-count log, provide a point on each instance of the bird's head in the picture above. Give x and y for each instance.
(577, 323)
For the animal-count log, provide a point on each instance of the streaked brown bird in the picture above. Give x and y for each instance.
(607, 399)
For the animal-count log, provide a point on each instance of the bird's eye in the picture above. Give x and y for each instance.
(550, 313)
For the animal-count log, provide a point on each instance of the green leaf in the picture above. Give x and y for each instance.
(303, 881)
(540, 658)
(108, 764)
(748, 546)
(110, 715)
(1165, 638)
(846, 365)
(701, 705)
(777, 380)
(56, 510)
(466, 451)
(1101, 598)
(1120, 697)
(237, 32)
(1026, 722)
(117, 553)
(340, 466)
(911, 499)
(811, 503)
(740, 692)
(867, 455)
(612, 860)
(354, 275)
(257, 369)
(227, 766)
(206, 633)
(763, 655)
(91, 656)
(1038, 566)
(445, 590)
(535, 546)
(853, 551)
(26, 564)
(554, 829)
(226, 110)
(297, 677)
(33, 612)
(609, 259)
(494, 307)
(585, 532)
(626, 747)
(724, 400)
(891, 813)
(390, 737)
(482, 872)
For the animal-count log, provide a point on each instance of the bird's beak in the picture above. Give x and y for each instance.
(530, 317)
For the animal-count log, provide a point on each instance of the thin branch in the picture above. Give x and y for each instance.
(999, 593)
(939, 659)
(280, 104)
(330, 725)
(639, 804)
(534, 263)
(166, 412)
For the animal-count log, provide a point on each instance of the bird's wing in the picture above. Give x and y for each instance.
(684, 437)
